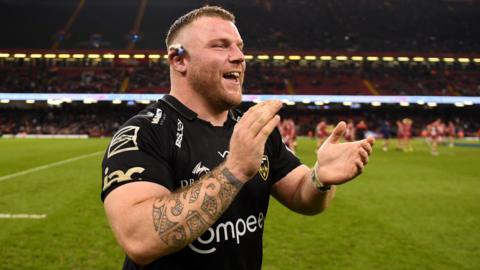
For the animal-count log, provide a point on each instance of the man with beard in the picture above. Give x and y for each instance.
(186, 182)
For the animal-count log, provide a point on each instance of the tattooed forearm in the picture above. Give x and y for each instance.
(184, 215)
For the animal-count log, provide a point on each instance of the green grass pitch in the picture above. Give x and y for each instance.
(407, 211)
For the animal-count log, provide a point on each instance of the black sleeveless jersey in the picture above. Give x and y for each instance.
(167, 144)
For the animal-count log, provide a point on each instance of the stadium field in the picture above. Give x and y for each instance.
(407, 211)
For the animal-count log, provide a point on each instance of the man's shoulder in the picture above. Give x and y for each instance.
(155, 116)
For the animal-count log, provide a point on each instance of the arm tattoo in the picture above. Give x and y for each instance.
(183, 216)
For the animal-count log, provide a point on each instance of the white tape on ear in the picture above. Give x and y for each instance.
(177, 48)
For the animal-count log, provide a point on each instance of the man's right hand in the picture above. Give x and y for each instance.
(247, 143)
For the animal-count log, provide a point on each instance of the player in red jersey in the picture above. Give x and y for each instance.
(321, 132)
(289, 134)
(450, 130)
(407, 134)
(349, 135)
(400, 145)
(434, 135)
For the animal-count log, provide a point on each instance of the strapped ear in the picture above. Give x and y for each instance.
(176, 55)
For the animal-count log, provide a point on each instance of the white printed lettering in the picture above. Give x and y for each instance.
(227, 231)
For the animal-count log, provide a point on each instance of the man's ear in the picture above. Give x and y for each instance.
(177, 62)
(176, 57)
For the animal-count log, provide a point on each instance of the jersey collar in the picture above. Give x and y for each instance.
(179, 107)
(175, 104)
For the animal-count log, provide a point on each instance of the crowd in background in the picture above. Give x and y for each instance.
(104, 119)
(262, 77)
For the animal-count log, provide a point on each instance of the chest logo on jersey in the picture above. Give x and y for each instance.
(120, 176)
(124, 140)
(264, 168)
(157, 117)
(198, 171)
(223, 154)
(178, 141)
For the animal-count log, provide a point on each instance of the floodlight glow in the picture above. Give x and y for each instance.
(49, 55)
(263, 57)
(78, 55)
(357, 58)
(376, 104)
(310, 57)
(35, 55)
(476, 60)
(294, 57)
(248, 57)
(4, 55)
(19, 55)
(165, 56)
(372, 58)
(124, 56)
(290, 103)
(89, 101)
(319, 103)
(448, 59)
(459, 104)
(404, 104)
(93, 56)
(433, 59)
(64, 55)
(108, 56)
(468, 102)
(347, 103)
(326, 101)
(432, 104)
(403, 59)
(463, 60)
(144, 101)
(341, 58)
(388, 58)
(139, 56)
(154, 56)
(420, 102)
(279, 57)
(418, 59)
(67, 100)
(116, 101)
(306, 101)
(5, 101)
(54, 102)
(30, 101)
(257, 100)
(325, 57)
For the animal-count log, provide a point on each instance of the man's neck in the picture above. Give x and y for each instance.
(201, 107)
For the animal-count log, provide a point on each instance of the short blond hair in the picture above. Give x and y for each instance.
(206, 11)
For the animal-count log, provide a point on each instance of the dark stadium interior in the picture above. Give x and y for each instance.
(346, 25)
(436, 30)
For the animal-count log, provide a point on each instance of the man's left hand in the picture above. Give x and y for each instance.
(337, 162)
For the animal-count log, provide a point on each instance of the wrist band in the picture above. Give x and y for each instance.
(316, 183)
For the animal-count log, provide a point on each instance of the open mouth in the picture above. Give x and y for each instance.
(233, 76)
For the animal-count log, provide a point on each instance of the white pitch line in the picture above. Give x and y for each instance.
(47, 166)
(22, 216)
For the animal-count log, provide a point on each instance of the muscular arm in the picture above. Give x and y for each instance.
(175, 219)
(149, 221)
(185, 215)
(297, 192)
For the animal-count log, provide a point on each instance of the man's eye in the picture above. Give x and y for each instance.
(219, 46)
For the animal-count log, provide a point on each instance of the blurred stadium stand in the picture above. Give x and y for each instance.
(315, 47)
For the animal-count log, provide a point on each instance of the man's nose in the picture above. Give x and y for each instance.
(236, 55)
